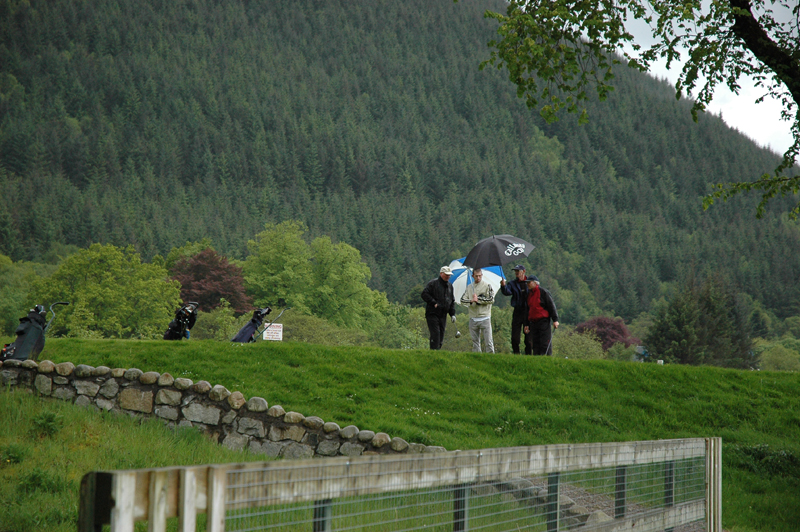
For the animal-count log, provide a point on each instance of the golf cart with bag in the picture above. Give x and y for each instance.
(185, 318)
(250, 331)
(30, 335)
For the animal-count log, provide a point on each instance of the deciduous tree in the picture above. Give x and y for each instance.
(609, 331)
(112, 294)
(208, 277)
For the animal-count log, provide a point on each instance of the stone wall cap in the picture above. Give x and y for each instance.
(236, 400)
(399, 445)
(381, 439)
(133, 374)
(365, 436)
(151, 377)
(46, 366)
(117, 372)
(415, 448)
(65, 369)
(257, 404)
(313, 422)
(219, 393)
(434, 449)
(276, 411)
(294, 417)
(330, 427)
(183, 384)
(201, 387)
(12, 363)
(82, 371)
(166, 380)
(29, 364)
(348, 432)
(101, 371)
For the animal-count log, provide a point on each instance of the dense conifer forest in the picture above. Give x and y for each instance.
(154, 123)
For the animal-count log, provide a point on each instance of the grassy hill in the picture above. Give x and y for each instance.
(471, 401)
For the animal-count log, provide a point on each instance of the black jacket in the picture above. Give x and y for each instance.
(518, 290)
(439, 291)
(546, 301)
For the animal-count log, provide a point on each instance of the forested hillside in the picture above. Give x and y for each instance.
(160, 122)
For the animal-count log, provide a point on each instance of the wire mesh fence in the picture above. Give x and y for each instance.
(670, 485)
(491, 490)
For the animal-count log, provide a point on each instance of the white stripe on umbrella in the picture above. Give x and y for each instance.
(462, 277)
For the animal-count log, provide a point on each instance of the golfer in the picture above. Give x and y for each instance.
(518, 290)
(541, 309)
(479, 297)
(440, 301)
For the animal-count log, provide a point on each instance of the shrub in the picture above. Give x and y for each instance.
(779, 358)
(609, 331)
(576, 346)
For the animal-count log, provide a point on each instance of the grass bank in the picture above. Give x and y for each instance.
(470, 401)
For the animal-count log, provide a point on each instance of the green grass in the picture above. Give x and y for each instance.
(471, 401)
(47, 446)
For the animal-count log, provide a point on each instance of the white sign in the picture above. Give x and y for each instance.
(274, 332)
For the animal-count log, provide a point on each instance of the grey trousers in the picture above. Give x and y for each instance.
(475, 329)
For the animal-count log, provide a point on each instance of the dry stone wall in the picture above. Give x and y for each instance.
(226, 417)
(240, 423)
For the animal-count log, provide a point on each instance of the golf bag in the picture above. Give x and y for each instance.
(30, 337)
(248, 333)
(185, 317)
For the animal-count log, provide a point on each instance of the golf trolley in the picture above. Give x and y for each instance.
(30, 334)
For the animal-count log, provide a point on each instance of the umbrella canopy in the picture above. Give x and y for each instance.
(462, 277)
(497, 250)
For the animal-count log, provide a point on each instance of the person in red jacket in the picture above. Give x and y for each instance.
(541, 309)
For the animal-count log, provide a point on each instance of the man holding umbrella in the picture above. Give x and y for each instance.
(438, 296)
(541, 309)
(518, 290)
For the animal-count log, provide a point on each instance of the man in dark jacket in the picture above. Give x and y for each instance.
(541, 309)
(439, 299)
(518, 290)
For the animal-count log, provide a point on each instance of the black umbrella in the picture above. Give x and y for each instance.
(498, 250)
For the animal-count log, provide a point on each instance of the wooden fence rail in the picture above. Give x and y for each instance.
(121, 498)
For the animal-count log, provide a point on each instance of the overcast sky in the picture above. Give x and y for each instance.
(761, 122)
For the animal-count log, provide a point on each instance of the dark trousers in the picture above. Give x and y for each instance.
(540, 336)
(518, 320)
(436, 325)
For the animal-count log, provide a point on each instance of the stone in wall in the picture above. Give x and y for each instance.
(268, 448)
(64, 393)
(136, 400)
(86, 388)
(104, 404)
(207, 415)
(328, 448)
(165, 412)
(236, 400)
(43, 384)
(252, 427)
(168, 397)
(236, 442)
(295, 451)
(257, 404)
(109, 389)
(351, 449)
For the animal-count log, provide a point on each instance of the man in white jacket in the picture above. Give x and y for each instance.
(479, 297)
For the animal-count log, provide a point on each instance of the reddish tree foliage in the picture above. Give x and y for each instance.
(609, 331)
(207, 277)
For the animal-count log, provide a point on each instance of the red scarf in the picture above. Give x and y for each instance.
(535, 309)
